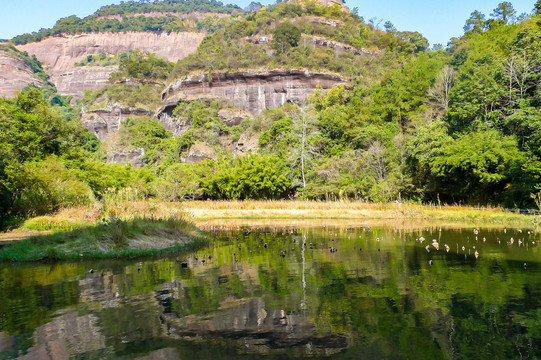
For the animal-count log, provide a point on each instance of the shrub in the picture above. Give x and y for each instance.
(43, 187)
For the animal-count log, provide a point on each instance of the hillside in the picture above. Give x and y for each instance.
(18, 70)
(172, 29)
(294, 100)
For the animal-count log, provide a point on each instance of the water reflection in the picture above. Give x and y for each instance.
(277, 293)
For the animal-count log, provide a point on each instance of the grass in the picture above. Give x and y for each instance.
(123, 227)
(113, 228)
(111, 239)
(353, 210)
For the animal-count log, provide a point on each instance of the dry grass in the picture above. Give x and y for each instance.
(230, 214)
(203, 211)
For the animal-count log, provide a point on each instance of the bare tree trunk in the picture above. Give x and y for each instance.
(303, 114)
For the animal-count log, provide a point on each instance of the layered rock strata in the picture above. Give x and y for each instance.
(15, 75)
(250, 90)
(59, 53)
(102, 122)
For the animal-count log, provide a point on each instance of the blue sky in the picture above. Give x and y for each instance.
(437, 20)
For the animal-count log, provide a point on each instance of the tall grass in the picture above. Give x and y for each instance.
(115, 227)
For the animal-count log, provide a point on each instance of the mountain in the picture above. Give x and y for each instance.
(300, 99)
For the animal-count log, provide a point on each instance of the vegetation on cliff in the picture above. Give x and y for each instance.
(167, 22)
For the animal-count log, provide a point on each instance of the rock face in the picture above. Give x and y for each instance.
(59, 53)
(15, 75)
(105, 121)
(324, 43)
(82, 78)
(253, 91)
(232, 117)
(133, 156)
(198, 152)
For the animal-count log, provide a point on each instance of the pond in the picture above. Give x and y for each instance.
(380, 292)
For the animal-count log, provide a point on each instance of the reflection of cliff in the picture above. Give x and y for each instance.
(66, 336)
(255, 328)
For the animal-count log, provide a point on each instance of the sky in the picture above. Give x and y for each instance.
(437, 20)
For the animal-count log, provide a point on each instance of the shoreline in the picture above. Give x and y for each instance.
(144, 228)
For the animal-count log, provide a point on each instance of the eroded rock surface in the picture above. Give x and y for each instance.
(250, 90)
(102, 122)
(133, 156)
(324, 43)
(15, 75)
(75, 81)
(198, 152)
(59, 53)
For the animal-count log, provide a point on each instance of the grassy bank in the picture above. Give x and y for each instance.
(111, 231)
(124, 228)
(136, 237)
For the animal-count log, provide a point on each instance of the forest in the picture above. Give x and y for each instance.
(457, 125)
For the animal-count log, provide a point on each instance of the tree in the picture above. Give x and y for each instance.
(439, 93)
(254, 6)
(476, 23)
(479, 165)
(504, 12)
(389, 27)
(286, 36)
(304, 154)
(537, 8)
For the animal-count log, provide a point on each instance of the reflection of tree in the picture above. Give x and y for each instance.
(388, 303)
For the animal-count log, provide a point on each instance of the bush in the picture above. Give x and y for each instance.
(43, 187)
(251, 177)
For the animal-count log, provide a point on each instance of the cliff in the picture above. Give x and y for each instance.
(102, 122)
(251, 90)
(59, 53)
(15, 74)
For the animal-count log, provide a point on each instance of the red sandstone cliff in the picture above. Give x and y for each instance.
(58, 54)
(15, 74)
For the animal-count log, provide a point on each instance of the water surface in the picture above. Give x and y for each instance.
(321, 292)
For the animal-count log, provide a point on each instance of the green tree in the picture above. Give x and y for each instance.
(537, 7)
(504, 12)
(478, 166)
(476, 23)
(286, 36)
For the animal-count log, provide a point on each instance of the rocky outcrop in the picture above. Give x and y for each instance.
(197, 153)
(102, 122)
(248, 143)
(133, 157)
(15, 75)
(324, 43)
(232, 117)
(59, 53)
(319, 20)
(250, 90)
(73, 82)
